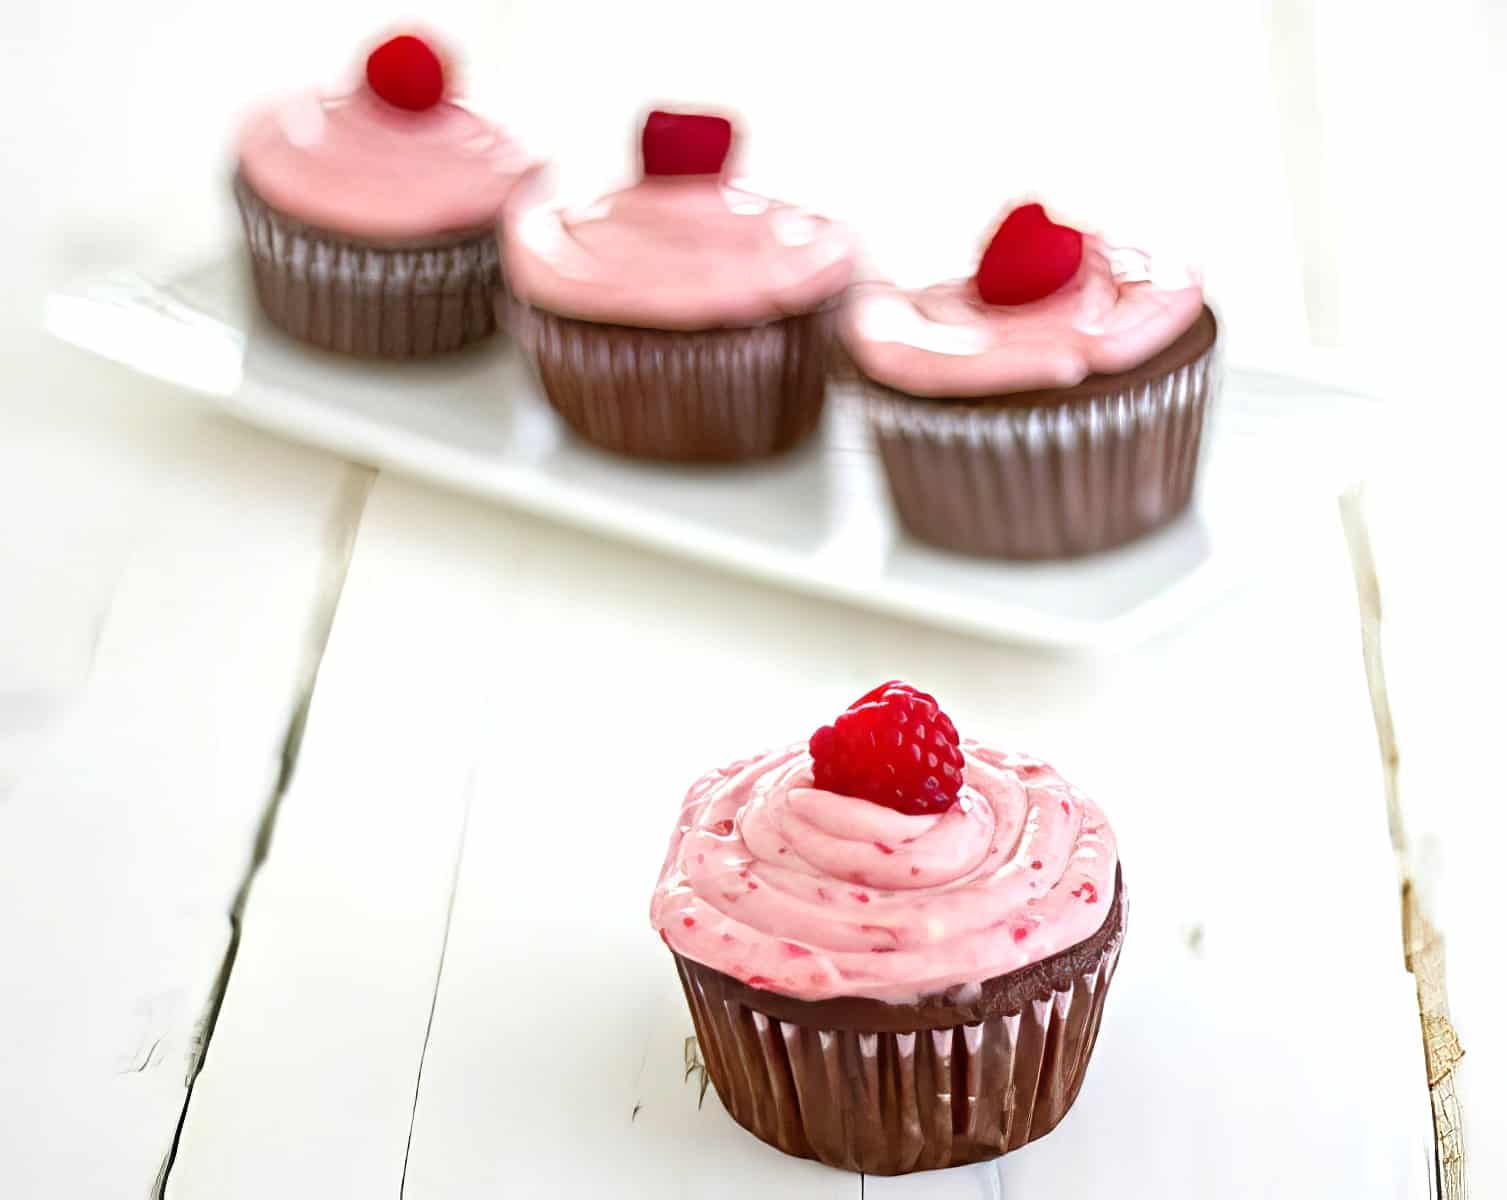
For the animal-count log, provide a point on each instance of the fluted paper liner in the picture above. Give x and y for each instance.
(715, 395)
(888, 1102)
(1050, 480)
(388, 300)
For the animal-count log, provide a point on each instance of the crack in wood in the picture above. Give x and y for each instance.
(1422, 946)
(439, 974)
(137, 1068)
(345, 521)
(643, 1063)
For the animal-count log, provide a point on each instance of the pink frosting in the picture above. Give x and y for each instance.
(673, 253)
(357, 165)
(815, 895)
(1119, 310)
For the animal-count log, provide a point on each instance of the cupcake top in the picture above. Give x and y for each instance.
(838, 869)
(684, 248)
(1047, 308)
(392, 159)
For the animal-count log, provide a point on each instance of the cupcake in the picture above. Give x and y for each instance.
(369, 215)
(1050, 406)
(895, 945)
(682, 318)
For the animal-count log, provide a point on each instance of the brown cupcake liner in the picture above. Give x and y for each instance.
(715, 395)
(1050, 480)
(367, 297)
(889, 1101)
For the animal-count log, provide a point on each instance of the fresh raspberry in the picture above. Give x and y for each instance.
(893, 746)
(685, 143)
(406, 73)
(1028, 258)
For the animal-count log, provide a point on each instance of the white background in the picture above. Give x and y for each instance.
(1334, 167)
(1331, 166)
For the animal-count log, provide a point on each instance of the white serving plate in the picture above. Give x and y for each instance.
(817, 520)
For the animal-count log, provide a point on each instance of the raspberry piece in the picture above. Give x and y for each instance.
(892, 746)
(1028, 258)
(406, 73)
(685, 143)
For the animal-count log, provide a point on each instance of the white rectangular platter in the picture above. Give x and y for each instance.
(817, 521)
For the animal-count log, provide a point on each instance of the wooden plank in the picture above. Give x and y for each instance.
(1438, 621)
(557, 1017)
(508, 1022)
(324, 1024)
(162, 574)
(1244, 1142)
(557, 1059)
(312, 1069)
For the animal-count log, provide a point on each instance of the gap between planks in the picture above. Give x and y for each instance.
(1423, 947)
(340, 541)
(439, 974)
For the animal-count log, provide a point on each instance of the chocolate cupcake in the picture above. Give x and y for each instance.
(895, 945)
(1051, 406)
(682, 318)
(370, 215)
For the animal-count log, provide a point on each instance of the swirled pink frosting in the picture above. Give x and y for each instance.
(673, 253)
(815, 895)
(355, 164)
(1119, 310)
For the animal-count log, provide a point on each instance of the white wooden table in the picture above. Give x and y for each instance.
(285, 906)
(285, 744)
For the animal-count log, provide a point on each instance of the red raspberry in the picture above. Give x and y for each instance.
(1028, 258)
(406, 73)
(893, 746)
(685, 143)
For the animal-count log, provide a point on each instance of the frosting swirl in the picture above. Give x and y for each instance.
(1117, 311)
(355, 164)
(673, 253)
(816, 895)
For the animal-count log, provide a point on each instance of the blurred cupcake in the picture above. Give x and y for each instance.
(1050, 406)
(681, 318)
(895, 944)
(369, 215)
